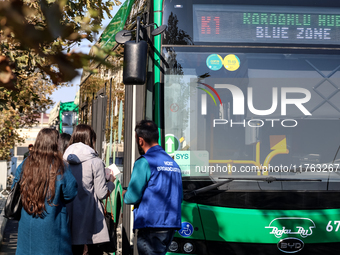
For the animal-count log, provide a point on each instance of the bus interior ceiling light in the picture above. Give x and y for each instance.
(135, 53)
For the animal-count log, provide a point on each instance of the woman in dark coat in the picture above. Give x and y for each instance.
(46, 186)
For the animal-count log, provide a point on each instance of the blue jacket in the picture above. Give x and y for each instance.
(160, 204)
(51, 234)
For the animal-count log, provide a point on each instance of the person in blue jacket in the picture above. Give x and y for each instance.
(155, 189)
(46, 186)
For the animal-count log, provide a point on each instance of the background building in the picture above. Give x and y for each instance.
(30, 135)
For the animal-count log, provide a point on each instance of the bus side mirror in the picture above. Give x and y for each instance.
(135, 54)
(135, 59)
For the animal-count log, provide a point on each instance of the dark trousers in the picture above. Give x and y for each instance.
(154, 241)
(86, 249)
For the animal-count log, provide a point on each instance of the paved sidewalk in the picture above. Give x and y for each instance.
(9, 242)
(3, 220)
(8, 231)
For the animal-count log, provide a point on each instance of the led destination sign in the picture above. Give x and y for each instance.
(266, 24)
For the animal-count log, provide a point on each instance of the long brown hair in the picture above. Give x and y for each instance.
(63, 141)
(83, 133)
(40, 172)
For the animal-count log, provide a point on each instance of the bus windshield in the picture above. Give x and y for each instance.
(264, 114)
(242, 107)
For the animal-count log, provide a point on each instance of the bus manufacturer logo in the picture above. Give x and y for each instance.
(290, 245)
(291, 226)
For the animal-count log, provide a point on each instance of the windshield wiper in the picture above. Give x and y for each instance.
(269, 179)
(195, 192)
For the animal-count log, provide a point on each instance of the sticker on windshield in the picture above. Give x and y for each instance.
(231, 62)
(214, 62)
(171, 143)
(186, 230)
(193, 163)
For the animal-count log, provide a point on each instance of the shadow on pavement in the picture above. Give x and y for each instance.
(9, 242)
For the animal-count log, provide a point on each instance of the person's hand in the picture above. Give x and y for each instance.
(124, 191)
(112, 178)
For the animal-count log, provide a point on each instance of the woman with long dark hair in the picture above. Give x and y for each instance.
(88, 226)
(63, 142)
(46, 186)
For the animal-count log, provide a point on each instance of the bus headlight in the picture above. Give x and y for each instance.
(188, 247)
(173, 246)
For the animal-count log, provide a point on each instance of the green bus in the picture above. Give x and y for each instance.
(247, 98)
(63, 116)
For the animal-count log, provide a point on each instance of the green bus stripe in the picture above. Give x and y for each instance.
(158, 4)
